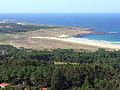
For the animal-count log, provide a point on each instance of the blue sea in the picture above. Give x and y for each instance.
(108, 23)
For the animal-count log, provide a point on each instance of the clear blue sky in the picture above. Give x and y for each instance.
(59, 6)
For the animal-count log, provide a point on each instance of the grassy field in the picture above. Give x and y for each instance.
(4, 38)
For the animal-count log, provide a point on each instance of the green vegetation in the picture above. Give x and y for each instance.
(4, 38)
(11, 28)
(31, 69)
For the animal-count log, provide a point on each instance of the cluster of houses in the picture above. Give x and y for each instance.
(5, 26)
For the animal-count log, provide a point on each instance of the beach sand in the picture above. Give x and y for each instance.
(95, 43)
(59, 38)
(43, 43)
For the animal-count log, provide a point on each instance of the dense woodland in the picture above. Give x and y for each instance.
(32, 69)
(15, 27)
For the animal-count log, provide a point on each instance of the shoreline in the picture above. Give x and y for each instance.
(96, 43)
(56, 38)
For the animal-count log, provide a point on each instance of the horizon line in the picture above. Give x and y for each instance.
(61, 13)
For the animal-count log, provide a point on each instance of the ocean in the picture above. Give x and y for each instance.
(107, 23)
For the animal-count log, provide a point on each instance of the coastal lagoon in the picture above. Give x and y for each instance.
(109, 24)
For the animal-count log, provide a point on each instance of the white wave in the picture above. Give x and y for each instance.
(115, 42)
(113, 32)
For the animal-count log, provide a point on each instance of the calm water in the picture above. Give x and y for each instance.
(109, 23)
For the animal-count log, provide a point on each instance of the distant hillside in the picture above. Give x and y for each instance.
(14, 27)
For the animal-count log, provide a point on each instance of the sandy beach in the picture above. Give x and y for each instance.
(59, 38)
(101, 44)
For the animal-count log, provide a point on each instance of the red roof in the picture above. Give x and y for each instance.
(4, 84)
(44, 88)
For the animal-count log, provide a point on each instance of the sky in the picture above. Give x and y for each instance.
(59, 6)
